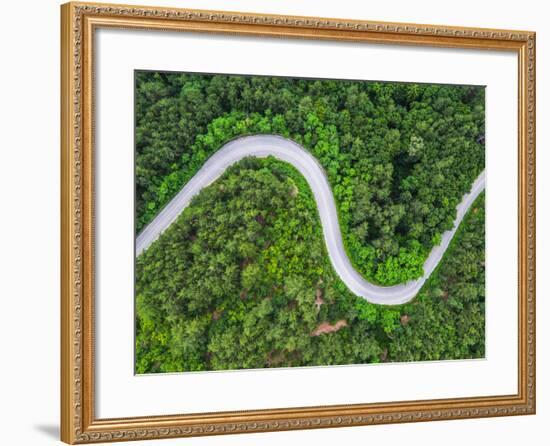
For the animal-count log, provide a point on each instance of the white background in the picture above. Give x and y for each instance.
(29, 229)
(121, 394)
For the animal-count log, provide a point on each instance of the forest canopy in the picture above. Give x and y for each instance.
(242, 278)
(399, 157)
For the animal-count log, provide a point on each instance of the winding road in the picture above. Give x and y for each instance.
(262, 146)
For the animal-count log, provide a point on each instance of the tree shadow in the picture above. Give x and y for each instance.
(50, 430)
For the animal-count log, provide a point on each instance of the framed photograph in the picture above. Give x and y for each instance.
(276, 223)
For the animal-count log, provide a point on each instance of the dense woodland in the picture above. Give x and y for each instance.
(242, 278)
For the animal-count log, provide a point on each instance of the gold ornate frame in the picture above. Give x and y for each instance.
(78, 423)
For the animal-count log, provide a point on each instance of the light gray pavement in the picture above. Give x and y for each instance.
(262, 146)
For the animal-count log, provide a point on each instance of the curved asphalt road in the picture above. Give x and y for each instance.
(286, 150)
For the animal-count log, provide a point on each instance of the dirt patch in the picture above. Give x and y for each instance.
(327, 327)
(404, 319)
(319, 298)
